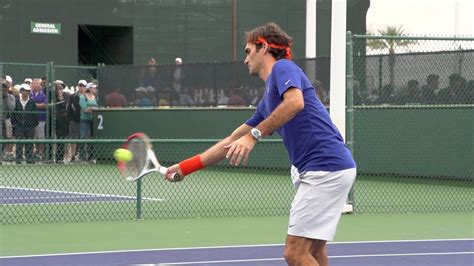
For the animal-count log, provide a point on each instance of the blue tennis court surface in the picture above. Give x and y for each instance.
(15, 195)
(417, 252)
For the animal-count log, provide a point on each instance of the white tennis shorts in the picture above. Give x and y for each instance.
(318, 203)
(39, 130)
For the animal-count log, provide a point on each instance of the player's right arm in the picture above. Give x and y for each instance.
(217, 152)
(213, 155)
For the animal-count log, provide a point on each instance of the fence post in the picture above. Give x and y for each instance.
(1, 113)
(139, 199)
(50, 123)
(350, 103)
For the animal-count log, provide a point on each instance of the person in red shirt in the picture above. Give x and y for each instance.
(115, 99)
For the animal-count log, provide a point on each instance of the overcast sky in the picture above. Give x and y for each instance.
(423, 17)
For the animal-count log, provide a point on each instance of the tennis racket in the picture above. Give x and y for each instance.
(144, 160)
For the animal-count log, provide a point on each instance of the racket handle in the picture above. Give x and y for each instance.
(175, 178)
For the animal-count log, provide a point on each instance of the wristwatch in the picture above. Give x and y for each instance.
(256, 134)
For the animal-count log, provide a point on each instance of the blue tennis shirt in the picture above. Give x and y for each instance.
(312, 140)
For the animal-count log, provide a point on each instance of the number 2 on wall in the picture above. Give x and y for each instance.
(100, 125)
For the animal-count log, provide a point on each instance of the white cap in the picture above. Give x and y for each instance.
(9, 79)
(25, 86)
(59, 82)
(178, 60)
(28, 80)
(82, 82)
(91, 85)
(143, 89)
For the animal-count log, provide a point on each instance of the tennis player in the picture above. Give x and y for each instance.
(324, 166)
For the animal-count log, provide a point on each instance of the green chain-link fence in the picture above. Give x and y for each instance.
(94, 190)
(415, 94)
(412, 141)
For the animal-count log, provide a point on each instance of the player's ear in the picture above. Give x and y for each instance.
(265, 47)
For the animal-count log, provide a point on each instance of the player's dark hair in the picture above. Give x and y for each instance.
(273, 34)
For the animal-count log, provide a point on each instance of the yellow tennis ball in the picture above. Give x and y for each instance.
(123, 155)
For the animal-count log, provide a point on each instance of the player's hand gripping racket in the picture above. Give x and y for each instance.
(144, 160)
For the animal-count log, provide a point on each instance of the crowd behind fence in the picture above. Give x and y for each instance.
(50, 174)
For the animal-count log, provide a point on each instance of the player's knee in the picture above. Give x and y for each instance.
(291, 255)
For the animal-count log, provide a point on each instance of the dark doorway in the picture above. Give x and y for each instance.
(111, 45)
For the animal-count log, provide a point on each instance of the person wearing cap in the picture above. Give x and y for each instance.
(92, 86)
(28, 81)
(149, 76)
(73, 109)
(38, 95)
(88, 103)
(178, 76)
(24, 120)
(61, 118)
(8, 106)
(9, 81)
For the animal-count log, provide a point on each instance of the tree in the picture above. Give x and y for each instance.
(390, 44)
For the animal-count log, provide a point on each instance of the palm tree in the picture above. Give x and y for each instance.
(390, 44)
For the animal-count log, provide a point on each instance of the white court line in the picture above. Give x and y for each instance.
(74, 193)
(215, 261)
(331, 257)
(235, 246)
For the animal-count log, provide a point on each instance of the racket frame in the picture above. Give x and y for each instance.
(150, 158)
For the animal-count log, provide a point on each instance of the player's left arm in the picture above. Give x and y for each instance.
(292, 104)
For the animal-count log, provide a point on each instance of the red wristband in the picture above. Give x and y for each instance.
(191, 165)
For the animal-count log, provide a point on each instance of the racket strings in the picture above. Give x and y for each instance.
(139, 161)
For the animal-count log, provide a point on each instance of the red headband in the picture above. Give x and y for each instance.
(288, 54)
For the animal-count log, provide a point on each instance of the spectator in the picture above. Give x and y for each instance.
(358, 94)
(372, 97)
(8, 106)
(430, 89)
(470, 91)
(455, 92)
(224, 97)
(184, 98)
(387, 95)
(115, 99)
(25, 120)
(15, 90)
(178, 76)
(235, 98)
(411, 94)
(73, 109)
(61, 116)
(44, 83)
(28, 81)
(258, 97)
(150, 74)
(39, 97)
(165, 98)
(88, 103)
(321, 92)
(9, 81)
(142, 99)
(94, 89)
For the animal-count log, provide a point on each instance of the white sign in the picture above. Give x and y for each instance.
(46, 28)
